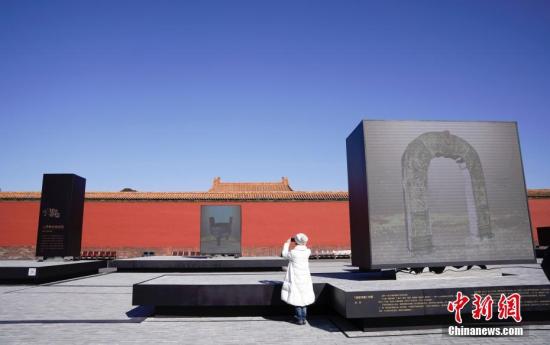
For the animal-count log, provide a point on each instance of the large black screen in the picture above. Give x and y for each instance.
(220, 229)
(440, 193)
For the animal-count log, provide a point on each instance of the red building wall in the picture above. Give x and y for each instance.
(132, 227)
(18, 223)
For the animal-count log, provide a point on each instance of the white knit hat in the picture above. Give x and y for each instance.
(301, 238)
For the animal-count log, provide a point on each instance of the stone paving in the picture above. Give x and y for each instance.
(97, 310)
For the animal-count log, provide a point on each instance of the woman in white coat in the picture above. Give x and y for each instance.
(298, 288)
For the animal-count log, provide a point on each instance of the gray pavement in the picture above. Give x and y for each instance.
(97, 310)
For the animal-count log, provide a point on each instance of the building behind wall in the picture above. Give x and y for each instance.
(131, 223)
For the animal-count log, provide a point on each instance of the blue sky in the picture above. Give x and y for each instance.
(166, 95)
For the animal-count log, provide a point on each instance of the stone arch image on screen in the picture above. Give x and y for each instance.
(220, 230)
(415, 163)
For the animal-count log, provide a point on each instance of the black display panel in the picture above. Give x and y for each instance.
(433, 193)
(220, 229)
(544, 235)
(61, 215)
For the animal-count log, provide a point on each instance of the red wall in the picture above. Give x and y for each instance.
(176, 225)
(18, 223)
(140, 224)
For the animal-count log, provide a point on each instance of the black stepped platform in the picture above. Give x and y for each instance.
(33, 272)
(203, 264)
(164, 294)
(358, 296)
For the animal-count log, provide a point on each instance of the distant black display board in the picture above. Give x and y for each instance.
(434, 193)
(61, 215)
(220, 229)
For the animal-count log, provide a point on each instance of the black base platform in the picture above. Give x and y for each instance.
(208, 295)
(199, 264)
(370, 299)
(33, 272)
